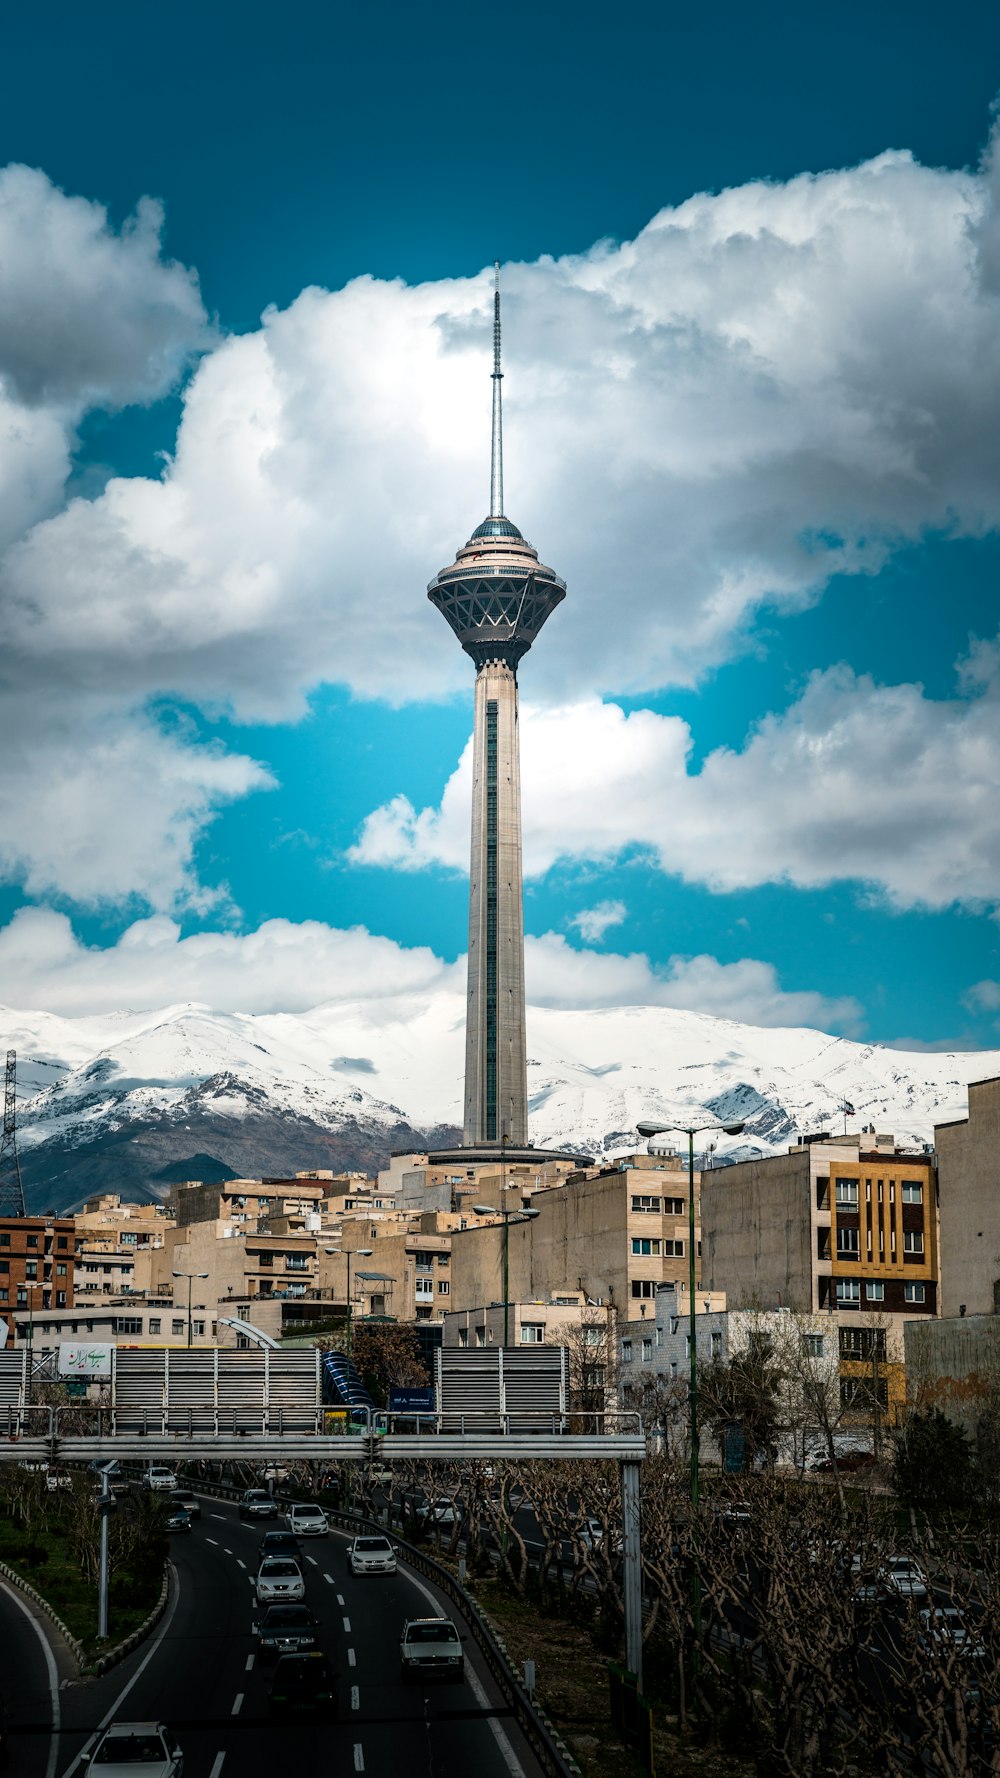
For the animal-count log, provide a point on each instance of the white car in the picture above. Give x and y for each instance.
(902, 1575)
(442, 1511)
(279, 1581)
(136, 1750)
(372, 1555)
(160, 1479)
(431, 1646)
(308, 1521)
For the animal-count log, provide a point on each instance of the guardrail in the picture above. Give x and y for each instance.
(553, 1759)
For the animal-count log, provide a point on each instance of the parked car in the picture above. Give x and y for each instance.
(302, 1685)
(278, 1543)
(308, 1521)
(136, 1750)
(159, 1479)
(372, 1555)
(286, 1630)
(847, 1462)
(190, 1502)
(430, 1647)
(257, 1503)
(279, 1579)
(178, 1518)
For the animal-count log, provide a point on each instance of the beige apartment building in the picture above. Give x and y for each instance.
(614, 1235)
(968, 1152)
(120, 1249)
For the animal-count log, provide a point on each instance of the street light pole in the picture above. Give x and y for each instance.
(508, 1216)
(691, 1131)
(190, 1276)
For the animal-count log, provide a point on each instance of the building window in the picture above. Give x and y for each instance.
(642, 1202)
(673, 1249)
(443, 1287)
(4, 1266)
(848, 1292)
(626, 1352)
(592, 1335)
(913, 1293)
(61, 1241)
(60, 1299)
(644, 1287)
(875, 1291)
(176, 1326)
(862, 1393)
(463, 1336)
(296, 1262)
(61, 1270)
(864, 1343)
(913, 1241)
(4, 1294)
(198, 1327)
(532, 1333)
(912, 1191)
(31, 1268)
(647, 1351)
(847, 1194)
(716, 1345)
(154, 1324)
(847, 1243)
(812, 1345)
(480, 1336)
(32, 1241)
(646, 1248)
(128, 1324)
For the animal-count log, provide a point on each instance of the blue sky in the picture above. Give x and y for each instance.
(758, 436)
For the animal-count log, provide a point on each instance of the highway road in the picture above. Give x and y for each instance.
(30, 1686)
(199, 1674)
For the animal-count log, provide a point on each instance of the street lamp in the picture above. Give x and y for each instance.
(691, 1131)
(509, 1216)
(190, 1276)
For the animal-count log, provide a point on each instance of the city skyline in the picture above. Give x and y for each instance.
(752, 415)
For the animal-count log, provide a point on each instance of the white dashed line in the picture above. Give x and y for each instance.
(227, 1550)
(340, 1598)
(237, 1703)
(216, 1765)
(347, 1626)
(352, 1659)
(213, 1540)
(250, 1661)
(313, 1560)
(504, 1747)
(221, 1516)
(329, 1578)
(359, 1757)
(355, 1698)
(242, 1564)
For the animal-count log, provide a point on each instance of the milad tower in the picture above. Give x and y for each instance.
(496, 597)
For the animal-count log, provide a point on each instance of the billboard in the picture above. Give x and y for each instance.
(411, 1401)
(89, 1359)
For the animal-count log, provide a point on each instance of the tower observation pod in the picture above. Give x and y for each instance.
(496, 597)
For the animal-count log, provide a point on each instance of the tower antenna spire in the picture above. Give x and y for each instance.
(11, 1189)
(496, 467)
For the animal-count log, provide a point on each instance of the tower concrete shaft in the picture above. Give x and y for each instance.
(496, 1085)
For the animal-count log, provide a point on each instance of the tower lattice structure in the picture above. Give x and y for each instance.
(11, 1189)
(496, 597)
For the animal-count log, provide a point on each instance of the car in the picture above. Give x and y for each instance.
(307, 1521)
(190, 1502)
(430, 1647)
(943, 1629)
(286, 1630)
(178, 1518)
(302, 1685)
(257, 1503)
(159, 1479)
(372, 1555)
(136, 1750)
(56, 1479)
(279, 1579)
(904, 1576)
(440, 1511)
(117, 1479)
(278, 1543)
(846, 1461)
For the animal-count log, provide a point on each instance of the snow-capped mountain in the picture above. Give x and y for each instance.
(134, 1101)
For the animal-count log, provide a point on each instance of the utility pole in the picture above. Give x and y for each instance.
(11, 1189)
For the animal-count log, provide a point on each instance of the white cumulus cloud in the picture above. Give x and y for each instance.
(593, 923)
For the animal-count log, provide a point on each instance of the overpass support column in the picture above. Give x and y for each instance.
(632, 1569)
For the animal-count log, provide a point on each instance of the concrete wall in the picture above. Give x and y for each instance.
(954, 1365)
(757, 1232)
(969, 1187)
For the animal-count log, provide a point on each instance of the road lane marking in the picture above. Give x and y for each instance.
(53, 1678)
(504, 1747)
(227, 1549)
(313, 1560)
(237, 1704)
(221, 1516)
(355, 1697)
(167, 1620)
(216, 1765)
(242, 1564)
(249, 1665)
(340, 1598)
(347, 1626)
(352, 1659)
(213, 1540)
(329, 1577)
(359, 1757)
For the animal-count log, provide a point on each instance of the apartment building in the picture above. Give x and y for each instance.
(843, 1225)
(245, 1202)
(148, 1323)
(37, 1265)
(614, 1234)
(406, 1273)
(120, 1248)
(968, 1153)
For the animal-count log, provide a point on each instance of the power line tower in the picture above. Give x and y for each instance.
(11, 1189)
